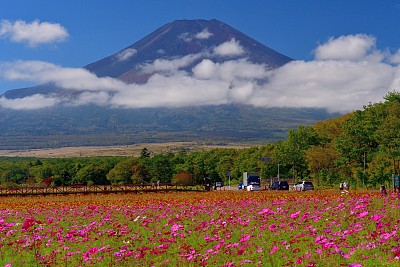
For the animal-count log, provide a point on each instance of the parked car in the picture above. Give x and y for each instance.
(279, 185)
(253, 187)
(303, 186)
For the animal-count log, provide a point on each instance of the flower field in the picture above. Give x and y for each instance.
(220, 228)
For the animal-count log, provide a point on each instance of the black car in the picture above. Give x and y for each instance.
(279, 185)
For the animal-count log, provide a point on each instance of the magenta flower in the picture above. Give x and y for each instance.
(376, 217)
(244, 238)
(273, 249)
(163, 246)
(266, 211)
(295, 215)
(91, 251)
(362, 214)
(176, 227)
(28, 223)
(320, 240)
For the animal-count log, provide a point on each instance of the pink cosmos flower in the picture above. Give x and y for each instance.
(266, 211)
(176, 227)
(362, 214)
(376, 217)
(163, 246)
(295, 215)
(320, 239)
(28, 223)
(354, 265)
(273, 249)
(244, 238)
(93, 250)
(87, 255)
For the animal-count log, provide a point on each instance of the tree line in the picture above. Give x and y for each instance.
(359, 147)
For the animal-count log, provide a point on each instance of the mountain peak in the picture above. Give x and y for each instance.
(181, 44)
(183, 38)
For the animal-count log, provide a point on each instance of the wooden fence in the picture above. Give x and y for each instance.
(95, 189)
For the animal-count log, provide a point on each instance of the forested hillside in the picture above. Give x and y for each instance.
(359, 147)
(100, 126)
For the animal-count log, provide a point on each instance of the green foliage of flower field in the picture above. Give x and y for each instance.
(219, 228)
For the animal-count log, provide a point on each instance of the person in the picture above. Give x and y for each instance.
(158, 183)
(383, 190)
(345, 186)
(341, 186)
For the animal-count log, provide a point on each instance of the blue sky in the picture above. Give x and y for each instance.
(81, 32)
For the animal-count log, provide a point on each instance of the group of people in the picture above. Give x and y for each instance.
(344, 186)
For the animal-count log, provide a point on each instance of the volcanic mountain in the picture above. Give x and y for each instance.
(187, 42)
(135, 96)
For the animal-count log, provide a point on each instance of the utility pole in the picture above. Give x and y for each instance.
(364, 170)
(229, 176)
(278, 172)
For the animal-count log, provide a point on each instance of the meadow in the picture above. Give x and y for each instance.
(219, 228)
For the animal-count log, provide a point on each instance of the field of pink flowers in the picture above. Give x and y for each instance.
(220, 228)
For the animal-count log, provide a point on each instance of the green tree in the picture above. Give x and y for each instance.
(388, 134)
(145, 153)
(160, 168)
(123, 171)
(359, 141)
(321, 163)
(183, 178)
(93, 173)
(291, 152)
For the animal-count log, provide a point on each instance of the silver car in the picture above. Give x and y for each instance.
(303, 186)
(253, 187)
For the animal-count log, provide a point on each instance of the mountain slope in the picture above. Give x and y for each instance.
(173, 52)
(177, 39)
(187, 42)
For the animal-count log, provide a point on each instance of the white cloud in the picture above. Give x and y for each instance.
(164, 65)
(70, 78)
(205, 34)
(230, 48)
(230, 70)
(126, 54)
(33, 33)
(177, 91)
(85, 98)
(350, 47)
(188, 37)
(30, 102)
(395, 59)
(339, 86)
(206, 69)
(339, 82)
